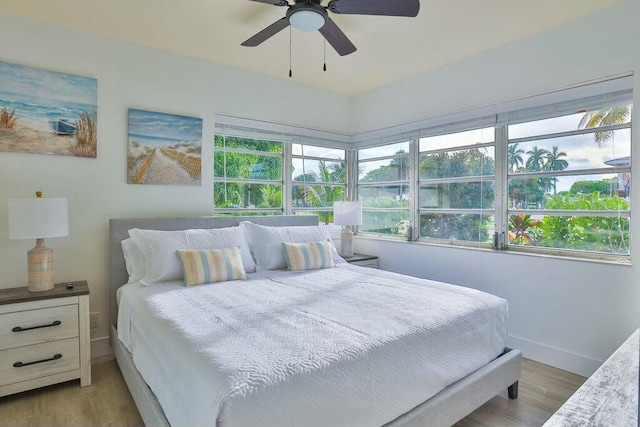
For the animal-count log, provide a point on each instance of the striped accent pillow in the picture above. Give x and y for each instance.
(308, 256)
(211, 265)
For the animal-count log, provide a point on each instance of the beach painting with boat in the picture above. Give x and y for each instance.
(164, 149)
(47, 112)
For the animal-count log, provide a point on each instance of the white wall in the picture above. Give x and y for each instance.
(594, 47)
(130, 76)
(571, 314)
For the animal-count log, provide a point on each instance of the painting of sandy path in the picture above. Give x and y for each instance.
(164, 149)
(161, 169)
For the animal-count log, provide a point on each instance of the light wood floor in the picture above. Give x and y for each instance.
(107, 402)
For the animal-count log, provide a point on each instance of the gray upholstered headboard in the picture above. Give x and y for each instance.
(119, 231)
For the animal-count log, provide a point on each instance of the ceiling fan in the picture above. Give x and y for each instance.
(310, 15)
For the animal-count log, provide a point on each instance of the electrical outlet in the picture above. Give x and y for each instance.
(94, 320)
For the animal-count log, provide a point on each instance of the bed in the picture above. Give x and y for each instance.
(318, 390)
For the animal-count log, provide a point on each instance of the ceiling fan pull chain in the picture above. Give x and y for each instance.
(325, 55)
(290, 72)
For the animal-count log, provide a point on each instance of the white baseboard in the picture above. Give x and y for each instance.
(100, 347)
(555, 357)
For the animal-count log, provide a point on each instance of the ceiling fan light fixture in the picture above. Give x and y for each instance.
(306, 20)
(311, 15)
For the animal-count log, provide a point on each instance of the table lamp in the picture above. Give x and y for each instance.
(37, 218)
(347, 214)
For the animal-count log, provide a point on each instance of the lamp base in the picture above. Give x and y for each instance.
(40, 263)
(346, 243)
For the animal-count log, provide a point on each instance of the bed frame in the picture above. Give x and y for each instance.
(442, 410)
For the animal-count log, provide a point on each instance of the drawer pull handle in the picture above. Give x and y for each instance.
(20, 364)
(21, 329)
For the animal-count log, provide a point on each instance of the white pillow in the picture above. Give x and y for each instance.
(266, 242)
(159, 249)
(133, 260)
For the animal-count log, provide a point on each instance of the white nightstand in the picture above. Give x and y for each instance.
(363, 260)
(44, 338)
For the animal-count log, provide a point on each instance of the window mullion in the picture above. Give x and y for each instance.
(446, 180)
(287, 186)
(249, 181)
(458, 148)
(324, 159)
(351, 178)
(382, 158)
(316, 184)
(414, 187)
(384, 183)
(583, 131)
(250, 152)
(501, 185)
(572, 212)
(570, 172)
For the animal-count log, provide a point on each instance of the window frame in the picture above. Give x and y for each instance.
(451, 180)
(400, 183)
(578, 253)
(226, 180)
(286, 182)
(310, 210)
(502, 175)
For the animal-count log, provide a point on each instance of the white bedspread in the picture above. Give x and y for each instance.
(346, 346)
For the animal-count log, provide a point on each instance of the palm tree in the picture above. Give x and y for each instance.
(536, 159)
(325, 195)
(555, 163)
(605, 117)
(515, 156)
(338, 171)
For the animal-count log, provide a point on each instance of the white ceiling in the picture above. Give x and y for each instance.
(389, 48)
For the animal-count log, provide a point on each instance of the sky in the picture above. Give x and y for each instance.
(312, 166)
(44, 84)
(170, 126)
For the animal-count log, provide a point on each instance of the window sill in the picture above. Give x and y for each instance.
(598, 259)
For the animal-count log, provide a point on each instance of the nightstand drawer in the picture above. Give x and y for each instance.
(363, 260)
(368, 263)
(36, 361)
(22, 328)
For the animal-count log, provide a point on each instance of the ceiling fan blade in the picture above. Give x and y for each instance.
(408, 8)
(337, 38)
(270, 31)
(273, 2)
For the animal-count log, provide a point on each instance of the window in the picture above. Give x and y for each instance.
(456, 186)
(268, 170)
(318, 177)
(247, 176)
(383, 188)
(552, 178)
(569, 181)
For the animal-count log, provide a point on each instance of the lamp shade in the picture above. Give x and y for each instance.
(38, 218)
(347, 213)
